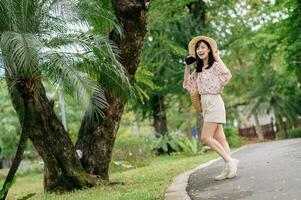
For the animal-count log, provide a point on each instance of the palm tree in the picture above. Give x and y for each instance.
(36, 44)
(273, 92)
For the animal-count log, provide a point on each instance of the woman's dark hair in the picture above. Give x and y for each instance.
(199, 62)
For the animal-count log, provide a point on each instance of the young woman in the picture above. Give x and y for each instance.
(210, 78)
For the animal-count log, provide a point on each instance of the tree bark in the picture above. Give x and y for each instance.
(258, 128)
(159, 115)
(63, 170)
(96, 138)
(198, 11)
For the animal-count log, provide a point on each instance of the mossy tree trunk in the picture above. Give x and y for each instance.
(63, 170)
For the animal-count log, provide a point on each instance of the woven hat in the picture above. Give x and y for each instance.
(192, 43)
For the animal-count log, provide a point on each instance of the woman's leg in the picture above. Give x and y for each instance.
(208, 132)
(221, 138)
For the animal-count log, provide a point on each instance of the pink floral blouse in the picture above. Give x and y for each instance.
(209, 81)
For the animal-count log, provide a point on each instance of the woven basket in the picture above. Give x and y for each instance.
(196, 101)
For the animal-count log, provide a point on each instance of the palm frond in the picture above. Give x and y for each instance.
(100, 16)
(35, 41)
(22, 49)
(75, 82)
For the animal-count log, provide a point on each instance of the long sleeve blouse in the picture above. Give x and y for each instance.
(209, 81)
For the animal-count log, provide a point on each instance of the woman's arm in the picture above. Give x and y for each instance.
(190, 80)
(222, 65)
(224, 73)
(186, 73)
(189, 61)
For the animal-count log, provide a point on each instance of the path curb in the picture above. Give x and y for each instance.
(177, 190)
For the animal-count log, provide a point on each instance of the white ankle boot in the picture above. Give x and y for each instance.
(233, 165)
(223, 175)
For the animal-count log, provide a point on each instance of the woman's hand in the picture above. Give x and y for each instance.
(217, 58)
(216, 55)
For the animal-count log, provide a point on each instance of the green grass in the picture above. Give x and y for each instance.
(144, 183)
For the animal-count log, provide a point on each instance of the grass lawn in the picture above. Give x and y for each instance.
(142, 183)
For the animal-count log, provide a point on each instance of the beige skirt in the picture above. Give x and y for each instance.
(213, 108)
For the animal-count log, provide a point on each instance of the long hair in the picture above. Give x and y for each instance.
(199, 62)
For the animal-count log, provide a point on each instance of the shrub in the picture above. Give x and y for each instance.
(190, 147)
(172, 144)
(232, 136)
(166, 144)
(293, 133)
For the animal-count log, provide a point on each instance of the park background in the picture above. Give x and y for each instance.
(132, 54)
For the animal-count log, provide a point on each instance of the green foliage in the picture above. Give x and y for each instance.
(143, 79)
(289, 30)
(166, 144)
(262, 50)
(8, 144)
(100, 16)
(232, 136)
(292, 133)
(107, 69)
(9, 126)
(173, 144)
(276, 92)
(190, 147)
(36, 42)
(165, 46)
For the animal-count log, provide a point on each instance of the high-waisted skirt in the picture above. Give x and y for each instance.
(213, 108)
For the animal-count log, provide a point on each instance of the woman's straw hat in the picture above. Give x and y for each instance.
(192, 43)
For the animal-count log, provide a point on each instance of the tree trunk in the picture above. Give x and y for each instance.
(198, 11)
(96, 138)
(63, 170)
(187, 115)
(258, 128)
(159, 115)
(199, 124)
(20, 151)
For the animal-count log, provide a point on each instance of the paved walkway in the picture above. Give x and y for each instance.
(267, 171)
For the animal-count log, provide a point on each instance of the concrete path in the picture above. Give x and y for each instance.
(267, 171)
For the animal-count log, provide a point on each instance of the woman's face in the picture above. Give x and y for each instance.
(202, 50)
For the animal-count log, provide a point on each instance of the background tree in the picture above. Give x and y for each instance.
(96, 139)
(30, 50)
(171, 26)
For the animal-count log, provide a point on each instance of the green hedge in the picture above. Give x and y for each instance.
(293, 133)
